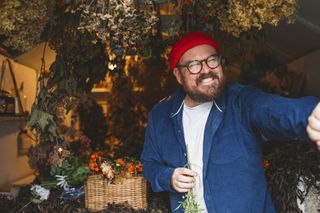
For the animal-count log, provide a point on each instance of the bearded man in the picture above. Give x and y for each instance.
(217, 129)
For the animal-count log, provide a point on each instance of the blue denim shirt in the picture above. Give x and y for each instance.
(233, 174)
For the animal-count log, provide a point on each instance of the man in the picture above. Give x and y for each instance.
(219, 127)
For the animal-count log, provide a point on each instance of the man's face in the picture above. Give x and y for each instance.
(204, 86)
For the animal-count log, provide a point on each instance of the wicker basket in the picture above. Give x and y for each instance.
(98, 193)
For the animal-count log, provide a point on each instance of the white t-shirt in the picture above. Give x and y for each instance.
(194, 121)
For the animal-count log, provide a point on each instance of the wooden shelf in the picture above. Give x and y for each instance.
(4, 118)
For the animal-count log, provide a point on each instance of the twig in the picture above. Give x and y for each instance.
(24, 206)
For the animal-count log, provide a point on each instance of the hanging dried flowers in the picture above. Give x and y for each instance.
(242, 15)
(122, 24)
(17, 22)
(236, 16)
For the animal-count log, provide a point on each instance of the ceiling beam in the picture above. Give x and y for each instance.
(307, 23)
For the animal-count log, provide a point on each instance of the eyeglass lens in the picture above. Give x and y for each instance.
(196, 66)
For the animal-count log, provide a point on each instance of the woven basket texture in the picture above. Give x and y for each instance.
(98, 193)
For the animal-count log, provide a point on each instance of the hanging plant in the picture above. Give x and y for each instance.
(237, 16)
(244, 17)
(17, 22)
(79, 64)
(124, 24)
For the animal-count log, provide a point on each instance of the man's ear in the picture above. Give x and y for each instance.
(177, 74)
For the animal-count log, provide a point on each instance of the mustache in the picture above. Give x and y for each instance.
(212, 75)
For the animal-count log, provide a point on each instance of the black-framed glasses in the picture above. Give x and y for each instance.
(194, 67)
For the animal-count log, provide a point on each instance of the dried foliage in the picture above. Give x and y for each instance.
(79, 64)
(17, 22)
(290, 162)
(93, 123)
(132, 97)
(126, 25)
(38, 158)
(126, 117)
(237, 16)
(122, 24)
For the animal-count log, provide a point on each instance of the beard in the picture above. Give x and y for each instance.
(213, 91)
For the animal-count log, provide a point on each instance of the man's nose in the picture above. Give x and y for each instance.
(205, 67)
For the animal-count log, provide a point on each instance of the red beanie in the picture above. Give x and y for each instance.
(187, 42)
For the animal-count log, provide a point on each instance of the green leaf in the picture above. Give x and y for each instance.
(34, 117)
(56, 170)
(48, 184)
(80, 174)
(44, 119)
(36, 200)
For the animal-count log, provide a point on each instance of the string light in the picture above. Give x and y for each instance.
(112, 66)
(60, 149)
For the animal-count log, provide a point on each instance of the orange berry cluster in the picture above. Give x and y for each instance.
(95, 162)
(119, 166)
(130, 166)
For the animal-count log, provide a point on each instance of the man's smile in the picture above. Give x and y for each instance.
(207, 81)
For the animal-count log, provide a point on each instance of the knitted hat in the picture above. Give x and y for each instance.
(187, 42)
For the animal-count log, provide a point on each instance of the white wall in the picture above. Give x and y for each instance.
(310, 65)
(12, 166)
(25, 75)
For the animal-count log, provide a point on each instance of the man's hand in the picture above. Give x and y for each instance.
(313, 128)
(183, 179)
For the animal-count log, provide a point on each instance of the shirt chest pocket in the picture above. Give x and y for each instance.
(226, 148)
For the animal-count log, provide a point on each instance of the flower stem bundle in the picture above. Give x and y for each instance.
(190, 204)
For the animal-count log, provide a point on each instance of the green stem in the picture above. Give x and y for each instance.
(190, 204)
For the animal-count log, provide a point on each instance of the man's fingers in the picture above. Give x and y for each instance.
(314, 135)
(183, 185)
(183, 179)
(314, 123)
(185, 171)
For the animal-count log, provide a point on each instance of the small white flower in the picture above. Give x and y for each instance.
(62, 181)
(43, 193)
